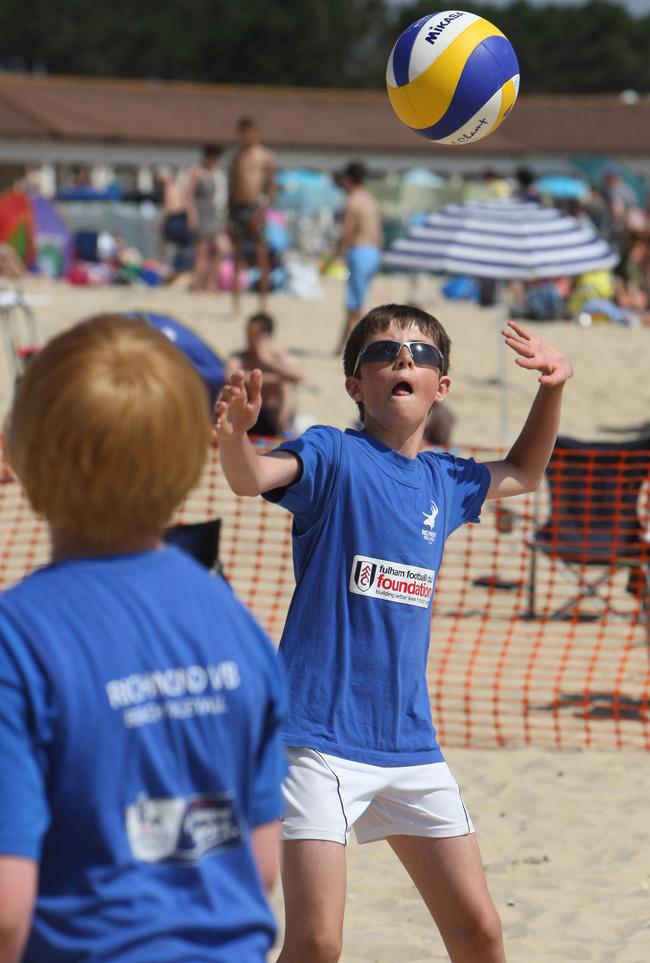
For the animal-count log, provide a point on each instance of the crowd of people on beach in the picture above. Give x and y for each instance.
(619, 296)
(216, 234)
(213, 234)
(214, 219)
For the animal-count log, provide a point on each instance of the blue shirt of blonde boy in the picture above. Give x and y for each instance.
(140, 704)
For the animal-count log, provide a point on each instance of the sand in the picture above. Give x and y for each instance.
(609, 393)
(564, 839)
(564, 834)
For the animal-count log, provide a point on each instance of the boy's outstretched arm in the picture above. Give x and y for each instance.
(18, 884)
(236, 411)
(523, 468)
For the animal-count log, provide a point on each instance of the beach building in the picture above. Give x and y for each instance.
(120, 129)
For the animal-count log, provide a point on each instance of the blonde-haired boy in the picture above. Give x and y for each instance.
(139, 702)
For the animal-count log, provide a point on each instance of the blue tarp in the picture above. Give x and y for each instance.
(198, 353)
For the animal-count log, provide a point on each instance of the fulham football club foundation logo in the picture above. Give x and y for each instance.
(380, 578)
(429, 522)
(364, 574)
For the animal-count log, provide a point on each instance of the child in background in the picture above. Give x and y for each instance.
(139, 702)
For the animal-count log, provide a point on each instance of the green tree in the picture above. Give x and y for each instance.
(597, 48)
(322, 43)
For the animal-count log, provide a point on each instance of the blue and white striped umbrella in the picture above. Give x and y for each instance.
(505, 240)
(502, 240)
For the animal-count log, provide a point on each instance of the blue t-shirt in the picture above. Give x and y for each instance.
(140, 708)
(369, 529)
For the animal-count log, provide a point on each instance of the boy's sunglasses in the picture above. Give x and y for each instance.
(424, 355)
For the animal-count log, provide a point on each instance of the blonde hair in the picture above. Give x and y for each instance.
(109, 430)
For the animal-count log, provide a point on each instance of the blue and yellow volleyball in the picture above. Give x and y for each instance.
(452, 77)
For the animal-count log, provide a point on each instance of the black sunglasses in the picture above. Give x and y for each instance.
(424, 355)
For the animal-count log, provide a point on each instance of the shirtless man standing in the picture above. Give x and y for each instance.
(360, 242)
(252, 188)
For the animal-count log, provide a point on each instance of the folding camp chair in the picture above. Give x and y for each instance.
(200, 540)
(594, 525)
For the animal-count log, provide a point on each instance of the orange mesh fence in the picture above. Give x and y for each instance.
(540, 632)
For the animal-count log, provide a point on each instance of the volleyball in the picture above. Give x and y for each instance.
(452, 77)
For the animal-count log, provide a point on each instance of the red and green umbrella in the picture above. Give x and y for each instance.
(33, 227)
(17, 224)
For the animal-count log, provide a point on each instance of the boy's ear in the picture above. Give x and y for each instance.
(444, 384)
(353, 388)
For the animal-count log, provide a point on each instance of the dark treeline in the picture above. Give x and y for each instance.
(597, 48)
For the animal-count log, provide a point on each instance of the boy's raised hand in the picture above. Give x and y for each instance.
(537, 355)
(238, 405)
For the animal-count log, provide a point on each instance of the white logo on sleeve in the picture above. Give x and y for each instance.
(379, 578)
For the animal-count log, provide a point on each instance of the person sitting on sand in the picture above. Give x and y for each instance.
(282, 374)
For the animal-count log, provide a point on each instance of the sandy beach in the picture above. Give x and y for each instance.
(609, 393)
(564, 834)
(569, 880)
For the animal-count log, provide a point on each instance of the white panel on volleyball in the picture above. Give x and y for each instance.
(478, 126)
(441, 32)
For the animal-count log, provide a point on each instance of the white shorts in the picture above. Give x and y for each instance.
(326, 796)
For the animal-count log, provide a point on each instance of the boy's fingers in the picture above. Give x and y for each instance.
(521, 347)
(518, 328)
(550, 380)
(534, 363)
(231, 394)
(255, 386)
(514, 339)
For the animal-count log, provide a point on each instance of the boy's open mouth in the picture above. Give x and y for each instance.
(402, 388)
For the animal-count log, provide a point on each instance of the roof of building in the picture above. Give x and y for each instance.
(166, 112)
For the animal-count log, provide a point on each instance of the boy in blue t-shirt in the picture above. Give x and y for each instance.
(140, 704)
(371, 516)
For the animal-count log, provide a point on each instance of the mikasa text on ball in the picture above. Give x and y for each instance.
(452, 77)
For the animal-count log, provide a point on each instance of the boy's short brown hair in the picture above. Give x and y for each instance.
(379, 319)
(109, 430)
